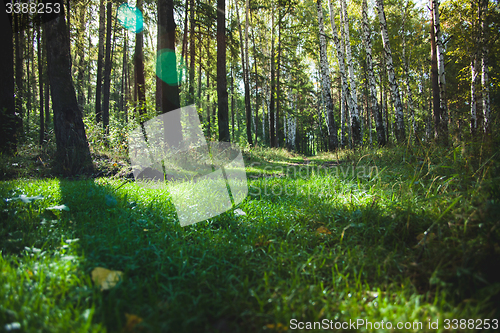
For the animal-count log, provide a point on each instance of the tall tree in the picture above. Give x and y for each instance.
(355, 122)
(484, 66)
(169, 90)
(8, 137)
(406, 65)
(244, 62)
(272, 127)
(439, 50)
(192, 59)
(73, 154)
(40, 83)
(379, 124)
(107, 70)
(100, 58)
(140, 86)
(222, 98)
(395, 95)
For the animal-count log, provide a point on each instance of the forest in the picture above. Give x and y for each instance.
(362, 191)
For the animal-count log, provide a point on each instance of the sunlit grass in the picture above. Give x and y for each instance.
(321, 243)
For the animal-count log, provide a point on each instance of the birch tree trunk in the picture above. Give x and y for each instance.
(485, 71)
(395, 95)
(346, 95)
(473, 97)
(325, 78)
(379, 124)
(406, 62)
(441, 73)
(355, 121)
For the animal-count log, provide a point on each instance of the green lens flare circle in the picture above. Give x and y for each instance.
(168, 68)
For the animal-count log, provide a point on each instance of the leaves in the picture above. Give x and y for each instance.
(132, 321)
(59, 208)
(323, 230)
(106, 278)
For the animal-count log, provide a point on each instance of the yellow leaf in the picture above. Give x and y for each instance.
(106, 278)
(323, 230)
(428, 240)
(132, 321)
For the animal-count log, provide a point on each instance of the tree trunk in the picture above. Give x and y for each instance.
(325, 78)
(184, 35)
(73, 153)
(485, 71)
(190, 98)
(339, 49)
(244, 61)
(8, 118)
(169, 91)
(107, 72)
(395, 95)
(406, 64)
(223, 108)
(355, 121)
(40, 85)
(436, 107)
(140, 93)
(81, 54)
(100, 56)
(441, 74)
(279, 126)
(379, 123)
(272, 129)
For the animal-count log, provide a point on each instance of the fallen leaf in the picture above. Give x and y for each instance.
(106, 278)
(428, 240)
(59, 208)
(132, 321)
(323, 230)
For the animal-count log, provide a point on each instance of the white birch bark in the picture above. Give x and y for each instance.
(395, 94)
(355, 118)
(339, 50)
(473, 99)
(484, 69)
(406, 61)
(441, 72)
(325, 77)
(379, 124)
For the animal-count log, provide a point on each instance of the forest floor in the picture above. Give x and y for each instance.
(352, 239)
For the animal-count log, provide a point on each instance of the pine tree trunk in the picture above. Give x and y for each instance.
(100, 56)
(140, 87)
(81, 54)
(192, 23)
(73, 153)
(107, 72)
(325, 78)
(8, 118)
(279, 127)
(169, 91)
(395, 95)
(244, 59)
(222, 98)
(247, 73)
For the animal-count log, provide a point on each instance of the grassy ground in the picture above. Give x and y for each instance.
(406, 235)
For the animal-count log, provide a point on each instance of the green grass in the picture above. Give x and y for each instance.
(330, 241)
